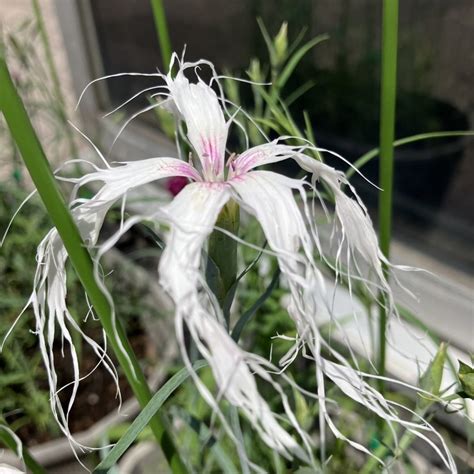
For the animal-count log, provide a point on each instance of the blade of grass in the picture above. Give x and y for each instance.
(245, 318)
(199, 427)
(267, 39)
(388, 94)
(296, 58)
(297, 93)
(366, 157)
(144, 418)
(33, 155)
(229, 297)
(161, 26)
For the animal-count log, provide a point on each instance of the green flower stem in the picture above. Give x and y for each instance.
(161, 26)
(43, 178)
(388, 94)
(373, 465)
(221, 270)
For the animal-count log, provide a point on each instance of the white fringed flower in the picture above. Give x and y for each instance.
(190, 217)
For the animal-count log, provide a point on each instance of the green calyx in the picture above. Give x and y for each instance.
(221, 268)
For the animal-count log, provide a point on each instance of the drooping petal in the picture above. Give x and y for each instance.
(48, 298)
(128, 175)
(198, 105)
(260, 155)
(194, 212)
(269, 197)
(353, 224)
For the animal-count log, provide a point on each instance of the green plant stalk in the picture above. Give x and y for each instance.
(388, 94)
(221, 272)
(43, 178)
(53, 72)
(161, 26)
(142, 420)
(33, 466)
(373, 465)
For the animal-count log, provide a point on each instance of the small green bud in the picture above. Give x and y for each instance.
(280, 44)
(466, 377)
(255, 71)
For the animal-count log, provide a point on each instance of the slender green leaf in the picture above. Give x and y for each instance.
(298, 92)
(296, 58)
(245, 318)
(229, 298)
(297, 41)
(144, 418)
(267, 39)
(222, 458)
(161, 27)
(366, 157)
(33, 466)
(431, 380)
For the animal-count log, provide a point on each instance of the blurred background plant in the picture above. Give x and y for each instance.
(21, 370)
(24, 393)
(27, 48)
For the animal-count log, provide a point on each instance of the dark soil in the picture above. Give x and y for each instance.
(97, 395)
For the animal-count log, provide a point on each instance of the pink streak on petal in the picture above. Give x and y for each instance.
(211, 154)
(245, 161)
(187, 170)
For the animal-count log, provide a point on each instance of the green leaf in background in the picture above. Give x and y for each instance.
(245, 318)
(8, 440)
(303, 412)
(466, 377)
(366, 157)
(142, 420)
(268, 41)
(296, 58)
(206, 437)
(431, 380)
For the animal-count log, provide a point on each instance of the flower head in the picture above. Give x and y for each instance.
(292, 236)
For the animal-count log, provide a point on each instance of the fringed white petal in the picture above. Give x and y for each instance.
(269, 197)
(54, 322)
(353, 227)
(193, 214)
(198, 105)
